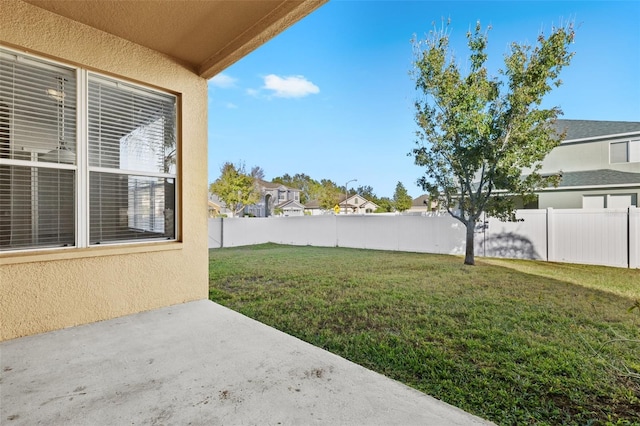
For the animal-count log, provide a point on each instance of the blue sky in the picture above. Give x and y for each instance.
(331, 97)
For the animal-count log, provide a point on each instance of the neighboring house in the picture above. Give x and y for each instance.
(423, 204)
(214, 209)
(103, 136)
(313, 208)
(356, 204)
(599, 164)
(276, 200)
(217, 207)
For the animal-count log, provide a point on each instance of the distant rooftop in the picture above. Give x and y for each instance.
(581, 129)
(274, 185)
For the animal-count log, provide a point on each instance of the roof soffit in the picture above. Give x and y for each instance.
(206, 36)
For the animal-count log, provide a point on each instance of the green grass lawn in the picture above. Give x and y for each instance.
(514, 342)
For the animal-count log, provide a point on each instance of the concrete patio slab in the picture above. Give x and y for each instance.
(198, 364)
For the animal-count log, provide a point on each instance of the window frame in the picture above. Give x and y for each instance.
(82, 169)
(631, 148)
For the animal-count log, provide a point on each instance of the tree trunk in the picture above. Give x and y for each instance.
(469, 258)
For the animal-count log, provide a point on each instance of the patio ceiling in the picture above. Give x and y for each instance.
(206, 36)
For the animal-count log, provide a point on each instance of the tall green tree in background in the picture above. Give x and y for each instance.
(235, 187)
(330, 194)
(366, 191)
(401, 198)
(478, 133)
(385, 205)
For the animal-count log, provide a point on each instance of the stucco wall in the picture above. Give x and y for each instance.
(591, 155)
(47, 290)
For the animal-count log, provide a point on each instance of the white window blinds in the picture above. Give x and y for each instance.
(113, 181)
(132, 162)
(37, 153)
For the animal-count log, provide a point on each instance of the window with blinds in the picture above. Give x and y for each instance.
(37, 153)
(60, 187)
(132, 152)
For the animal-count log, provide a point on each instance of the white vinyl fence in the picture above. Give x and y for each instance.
(600, 236)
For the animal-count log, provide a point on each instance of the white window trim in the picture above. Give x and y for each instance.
(82, 169)
(633, 151)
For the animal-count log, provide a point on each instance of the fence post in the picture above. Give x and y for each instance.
(551, 250)
(221, 232)
(633, 232)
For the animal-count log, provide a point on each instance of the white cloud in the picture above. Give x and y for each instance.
(223, 81)
(253, 92)
(230, 105)
(290, 87)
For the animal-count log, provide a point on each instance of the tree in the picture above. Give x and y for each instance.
(257, 173)
(235, 187)
(366, 191)
(330, 194)
(401, 198)
(309, 188)
(385, 205)
(478, 133)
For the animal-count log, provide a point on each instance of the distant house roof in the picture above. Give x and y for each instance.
(582, 129)
(313, 204)
(290, 205)
(421, 201)
(362, 201)
(598, 178)
(274, 185)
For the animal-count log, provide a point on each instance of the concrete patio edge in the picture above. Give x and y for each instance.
(198, 363)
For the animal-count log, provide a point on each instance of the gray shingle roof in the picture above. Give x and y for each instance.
(580, 129)
(421, 201)
(290, 204)
(270, 185)
(599, 177)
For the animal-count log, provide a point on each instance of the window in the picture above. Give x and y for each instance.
(621, 201)
(60, 187)
(610, 201)
(624, 152)
(131, 162)
(38, 171)
(593, 201)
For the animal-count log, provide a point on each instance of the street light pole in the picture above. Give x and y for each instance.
(346, 193)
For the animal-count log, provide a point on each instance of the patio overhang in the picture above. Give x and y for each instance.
(204, 36)
(169, 47)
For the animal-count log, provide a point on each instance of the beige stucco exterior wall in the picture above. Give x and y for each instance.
(49, 290)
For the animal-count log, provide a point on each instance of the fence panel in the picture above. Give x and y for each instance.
(524, 239)
(436, 233)
(589, 236)
(367, 232)
(634, 237)
(603, 237)
(305, 230)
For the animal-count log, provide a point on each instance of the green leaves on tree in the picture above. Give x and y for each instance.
(481, 139)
